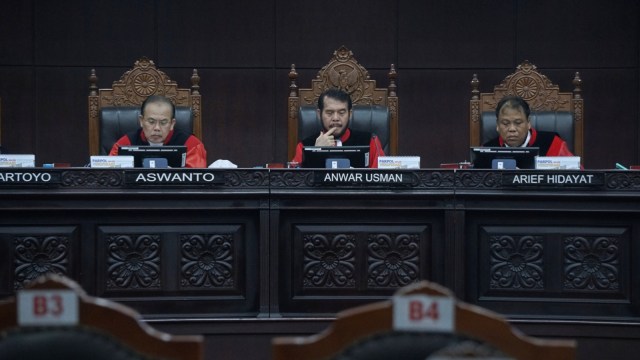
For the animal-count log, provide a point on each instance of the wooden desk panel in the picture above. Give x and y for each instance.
(551, 253)
(279, 244)
(170, 251)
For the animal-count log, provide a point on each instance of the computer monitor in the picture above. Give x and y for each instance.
(156, 156)
(321, 157)
(504, 157)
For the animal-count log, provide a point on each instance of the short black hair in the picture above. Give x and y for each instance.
(512, 102)
(160, 100)
(336, 94)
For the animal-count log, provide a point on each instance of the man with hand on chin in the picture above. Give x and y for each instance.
(157, 122)
(334, 111)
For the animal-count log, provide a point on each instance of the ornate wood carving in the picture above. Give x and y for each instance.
(544, 263)
(92, 179)
(329, 261)
(537, 90)
(591, 263)
(36, 255)
(623, 181)
(516, 262)
(133, 262)
(135, 85)
(208, 261)
(478, 179)
(436, 179)
(344, 72)
(291, 178)
(248, 179)
(393, 260)
(362, 260)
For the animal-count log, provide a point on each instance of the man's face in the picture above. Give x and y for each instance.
(335, 114)
(156, 122)
(513, 126)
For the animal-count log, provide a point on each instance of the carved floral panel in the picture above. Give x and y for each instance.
(393, 260)
(516, 262)
(133, 261)
(38, 255)
(208, 261)
(329, 260)
(591, 263)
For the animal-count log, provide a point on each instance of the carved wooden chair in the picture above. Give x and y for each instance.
(551, 110)
(114, 112)
(44, 324)
(367, 332)
(375, 109)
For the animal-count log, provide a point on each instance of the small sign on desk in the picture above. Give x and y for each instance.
(558, 162)
(423, 313)
(399, 162)
(17, 160)
(119, 161)
(47, 307)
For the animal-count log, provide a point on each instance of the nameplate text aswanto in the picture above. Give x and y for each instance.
(178, 178)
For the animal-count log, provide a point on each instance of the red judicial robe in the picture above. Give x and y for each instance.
(349, 138)
(196, 153)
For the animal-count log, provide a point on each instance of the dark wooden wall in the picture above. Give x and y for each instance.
(243, 50)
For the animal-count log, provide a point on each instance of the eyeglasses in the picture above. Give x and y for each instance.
(162, 123)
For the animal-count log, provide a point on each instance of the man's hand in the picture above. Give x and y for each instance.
(326, 139)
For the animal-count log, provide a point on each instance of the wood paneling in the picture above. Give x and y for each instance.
(284, 250)
(612, 116)
(18, 111)
(569, 34)
(307, 32)
(16, 35)
(452, 34)
(243, 50)
(238, 115)
(94, 33)
(228, 34)
(430, 125)
(61, 119)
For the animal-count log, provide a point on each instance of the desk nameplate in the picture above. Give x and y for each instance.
(363, 178)
(173, 178)
(29, 177)
(576, 179)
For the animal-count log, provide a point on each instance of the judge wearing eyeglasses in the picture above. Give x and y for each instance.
(157, 128)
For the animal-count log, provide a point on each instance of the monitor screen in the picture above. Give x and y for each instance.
(174, 155)
(320, 157)
(524, 157)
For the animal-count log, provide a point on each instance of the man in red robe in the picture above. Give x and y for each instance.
(157, 122)
(514, 130)
(335, 111)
